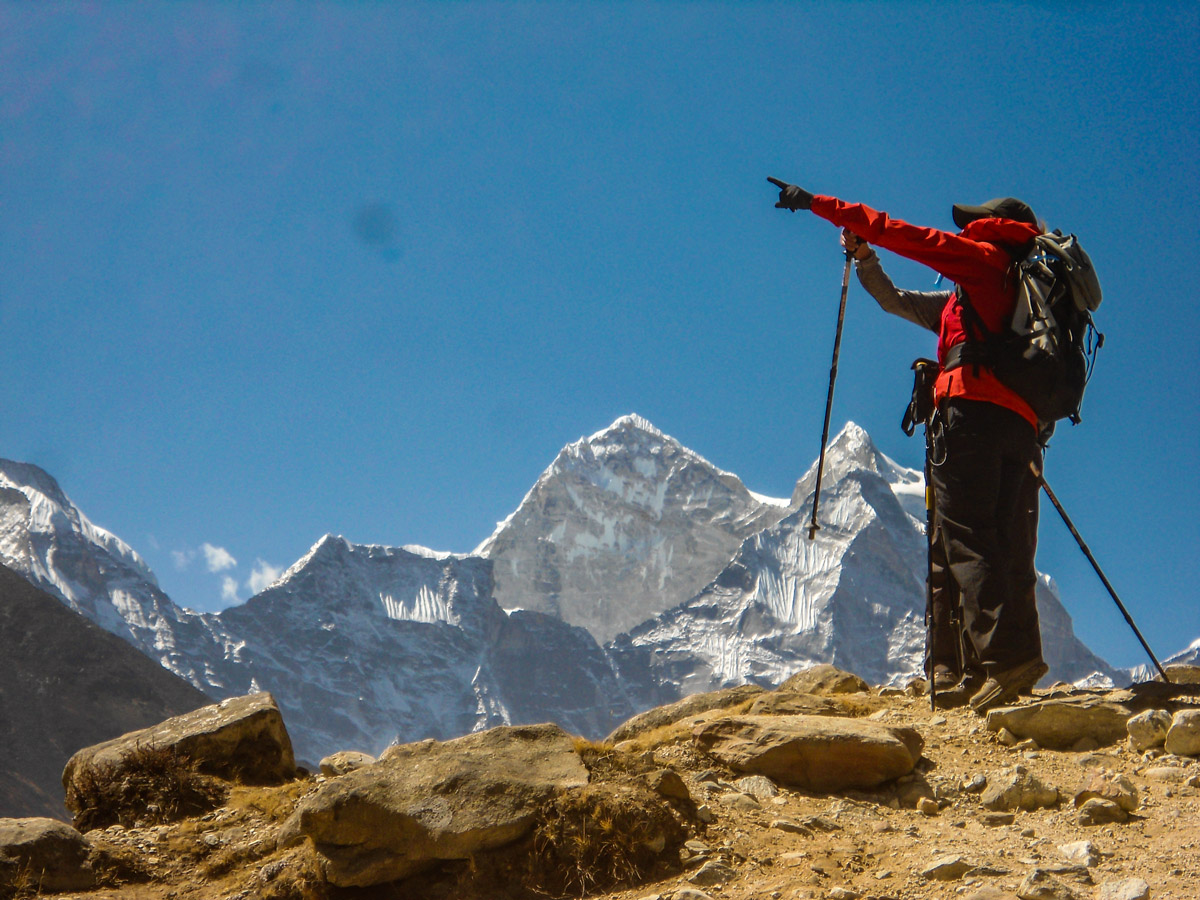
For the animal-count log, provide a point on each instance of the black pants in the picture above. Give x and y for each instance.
(985, 538)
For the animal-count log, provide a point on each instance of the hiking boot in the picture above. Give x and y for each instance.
(956, 693)
(1008, 684)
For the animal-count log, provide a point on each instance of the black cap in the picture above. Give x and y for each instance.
(1000, 208)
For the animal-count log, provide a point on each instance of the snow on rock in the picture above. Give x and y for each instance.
(623, 525)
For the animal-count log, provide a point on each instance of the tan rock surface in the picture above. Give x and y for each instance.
(432, 801)
(801, 845)
(241, 739)
(812, 752)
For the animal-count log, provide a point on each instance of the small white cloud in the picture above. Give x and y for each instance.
(183, 558)
(229, 587)
(263, 575)
(218, 558)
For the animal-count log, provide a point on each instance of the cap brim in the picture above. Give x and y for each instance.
(964, 215)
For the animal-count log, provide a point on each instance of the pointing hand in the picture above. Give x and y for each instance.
(790, 196)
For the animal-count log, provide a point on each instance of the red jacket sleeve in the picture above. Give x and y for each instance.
(958, 258)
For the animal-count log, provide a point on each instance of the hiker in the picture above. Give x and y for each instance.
(984, 438)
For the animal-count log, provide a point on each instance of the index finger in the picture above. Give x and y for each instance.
(779, 184)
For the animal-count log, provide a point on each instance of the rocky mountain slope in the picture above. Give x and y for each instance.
(66, 683)
(623, 525)
(367, 645)
(823, 789)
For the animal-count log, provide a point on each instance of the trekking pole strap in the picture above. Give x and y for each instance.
(1095, 565)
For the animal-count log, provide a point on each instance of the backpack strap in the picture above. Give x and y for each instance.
(977, 350)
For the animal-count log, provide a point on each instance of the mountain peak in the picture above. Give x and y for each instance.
(627, 423)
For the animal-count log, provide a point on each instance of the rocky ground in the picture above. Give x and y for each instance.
(988, 812)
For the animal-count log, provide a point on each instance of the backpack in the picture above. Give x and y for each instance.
(1047, 354)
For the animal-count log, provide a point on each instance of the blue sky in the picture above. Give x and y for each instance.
(269, 271)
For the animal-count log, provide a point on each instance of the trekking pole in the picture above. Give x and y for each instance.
(813, 527)
(1095, 565)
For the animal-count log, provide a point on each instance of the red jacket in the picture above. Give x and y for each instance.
(976, 259)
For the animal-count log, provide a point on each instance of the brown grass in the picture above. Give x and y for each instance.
(601, 838)
(150, 786)
(17, 882)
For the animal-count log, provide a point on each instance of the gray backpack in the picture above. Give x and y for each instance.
(1047, 354)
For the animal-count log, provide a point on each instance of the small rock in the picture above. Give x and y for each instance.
(1183, 738)
(1101, 812)
(667, 783)
(1007, 738)
(344, 761)
(1016, 788)
(1109, 786)
(1148, 730)
(1027, 744)
(946, 868)
(938, 721)
(790, 827)
(1170, 774)
(1085, 744)
(994, 819)
(820, 823)
(1082, 853)
(758, 786)
(975, 785)
(1129, 889)
(927, 806)
(689, 894)
(55, 851)
(1194, 781)
(988, 893)
(1041, 885)
(1098, 761)
(712, 873)
(705, 814)
(841, 893)
(744, 802)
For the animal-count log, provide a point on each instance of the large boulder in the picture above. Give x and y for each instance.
(1183, 738)
(51, 853)
(240, 739)
(695, 705)
(824, 679)
(431, 801)
(1061, 724)
(817, 753)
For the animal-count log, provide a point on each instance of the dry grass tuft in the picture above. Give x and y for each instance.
(151, 786)
(601, 838)
(17, 882)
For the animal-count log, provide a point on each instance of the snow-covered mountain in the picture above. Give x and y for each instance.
(623, 525)
(361, 645)
(627, 533)
(366, 645)
(1188, 656)
(854, 595)
(46, 539)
